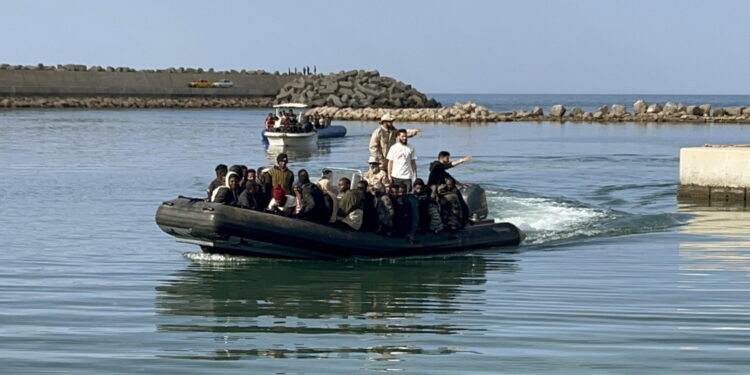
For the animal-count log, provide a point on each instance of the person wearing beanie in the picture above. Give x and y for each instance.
(281, 175)
(281, 203)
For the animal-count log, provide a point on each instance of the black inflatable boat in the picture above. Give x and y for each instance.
(225, 229)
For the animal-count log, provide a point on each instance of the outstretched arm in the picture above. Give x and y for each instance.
(462, 160)
(412, 132)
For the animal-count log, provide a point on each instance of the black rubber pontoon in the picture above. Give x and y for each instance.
(225, 229)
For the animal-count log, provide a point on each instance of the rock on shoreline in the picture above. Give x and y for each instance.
(472, 112)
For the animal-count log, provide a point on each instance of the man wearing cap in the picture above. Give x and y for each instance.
(384, 137)
(375, 174)
(281, 175)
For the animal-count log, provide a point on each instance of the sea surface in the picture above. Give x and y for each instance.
(614, 278)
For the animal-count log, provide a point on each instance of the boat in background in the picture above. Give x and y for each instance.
(290, 130)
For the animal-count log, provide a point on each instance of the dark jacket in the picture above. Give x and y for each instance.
(369, 213)
(213, 185)
(228, 196)
(438, 173)
(313, 204)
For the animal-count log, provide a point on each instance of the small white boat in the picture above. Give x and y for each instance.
(288, 130)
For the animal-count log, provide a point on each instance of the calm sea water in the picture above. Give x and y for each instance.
(614, 277)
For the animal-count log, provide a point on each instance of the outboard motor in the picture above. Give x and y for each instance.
(476, 199)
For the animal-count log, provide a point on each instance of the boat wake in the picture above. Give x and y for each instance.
(548, 220)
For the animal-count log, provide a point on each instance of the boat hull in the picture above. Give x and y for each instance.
(225, 229)
(291, 139)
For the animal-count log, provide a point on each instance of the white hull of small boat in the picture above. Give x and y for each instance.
(291, 139)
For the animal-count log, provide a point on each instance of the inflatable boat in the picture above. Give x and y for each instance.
(219, 228)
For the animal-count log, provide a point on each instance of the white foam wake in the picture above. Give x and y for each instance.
(545, 219)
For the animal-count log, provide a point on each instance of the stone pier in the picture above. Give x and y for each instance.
(715, 175)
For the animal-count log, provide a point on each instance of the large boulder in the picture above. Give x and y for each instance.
(719, 112)
(576, 112)
(654, 108)
(733, 111)
(618, 110)
(706, 108)
(537, 112)
(640, 107)
(557, 110)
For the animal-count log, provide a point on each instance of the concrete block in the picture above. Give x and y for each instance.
(715, 166)
(696, 193)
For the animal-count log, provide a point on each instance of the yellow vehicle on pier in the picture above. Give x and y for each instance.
(202, 83)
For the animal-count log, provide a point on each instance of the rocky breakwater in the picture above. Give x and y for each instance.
(353, 89)
(471, 112)
(133, 102)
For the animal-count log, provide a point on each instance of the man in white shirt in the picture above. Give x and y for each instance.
(402, 162)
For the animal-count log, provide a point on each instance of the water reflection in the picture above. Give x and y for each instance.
(298, 153)
(267, 301)
(721, 240)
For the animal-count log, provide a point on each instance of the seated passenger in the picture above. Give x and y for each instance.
(250, 177)
(329, 198)
(313, 204)
(270, 121)
(439, 167)
(384, 209)
(350, 204)
(369, 214)
(221, 174)
(452, 207)
(228, 194)
(375, 174)
(429, 209)
(281, 203)
(251, 197)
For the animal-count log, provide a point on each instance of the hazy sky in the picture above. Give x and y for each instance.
(586, 46)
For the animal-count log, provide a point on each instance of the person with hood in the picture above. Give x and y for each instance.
(281, 175)
(228, 194)
(350, 204)
(375, 174)
(384, 137)
(266, 187)
(281, 203)
(312, 205)
(221, 174)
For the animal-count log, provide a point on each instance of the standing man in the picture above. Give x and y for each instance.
(281, 175)
(402, 162)
(384, 137)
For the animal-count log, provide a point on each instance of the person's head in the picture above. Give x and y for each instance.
(387, 120)
(402, 189)
(402, 136)
(393, 190)
(303, 177)
(362, 185)
(444, 157)
(221, 170)
(282, 160)
(419, 186)
(374, 164)
(236, 168)
(344, 185)
(244, 170)
(326, 174)
(377, 188)
(450, 183)
(233, 179)
(250, 175)
(297, 189)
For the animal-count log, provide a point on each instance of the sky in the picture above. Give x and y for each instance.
(523, 47)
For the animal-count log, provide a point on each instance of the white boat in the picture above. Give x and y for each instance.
(287, 131)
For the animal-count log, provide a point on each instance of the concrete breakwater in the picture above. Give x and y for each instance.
(715, 175)
(133, 102)
(354, 89)
(472, 112)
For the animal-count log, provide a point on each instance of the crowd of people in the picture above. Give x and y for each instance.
(390, 199)
(289, 122)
